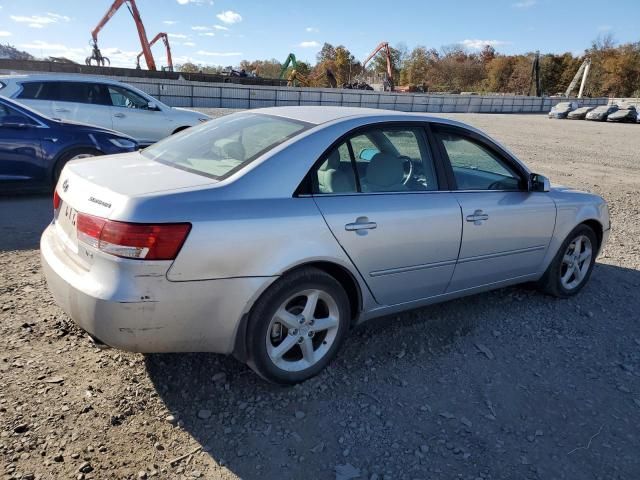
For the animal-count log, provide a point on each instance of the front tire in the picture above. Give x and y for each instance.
(72, 155)
(571, 268)
(297, 326)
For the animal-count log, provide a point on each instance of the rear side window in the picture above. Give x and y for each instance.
(76, 92)
(81, 92)
(39, 91)
(385, 159)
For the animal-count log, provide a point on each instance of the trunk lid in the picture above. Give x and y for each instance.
(102, 186)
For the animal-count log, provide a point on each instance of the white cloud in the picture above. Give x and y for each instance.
(189, 44)
(309, 44)
(177, 35)
(4, 33)
(312, 30)
(207, 34)
(525, 4)
(477, 44)
(169, 22)
(230, 17)
(39, 21)
(219, 54)
(220, 27)
(199, 28)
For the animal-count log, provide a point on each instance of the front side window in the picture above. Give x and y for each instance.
(475, 167)
(220, 147)
(123, 97)
(385, 159)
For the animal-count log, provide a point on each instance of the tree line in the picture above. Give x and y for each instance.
(615, 69)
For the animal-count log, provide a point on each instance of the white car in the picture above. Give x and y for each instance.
(99, 101)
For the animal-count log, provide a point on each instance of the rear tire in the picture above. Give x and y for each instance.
(72, 155)
(297, 326)
(571, 268)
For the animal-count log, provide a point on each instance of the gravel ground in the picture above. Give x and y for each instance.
(506, 385)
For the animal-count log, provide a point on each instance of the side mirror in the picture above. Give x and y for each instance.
(367, 154)
(152, 106)
(539, 183)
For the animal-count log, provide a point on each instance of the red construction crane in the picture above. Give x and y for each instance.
(165, 39)
(135, 13)
(387, 51)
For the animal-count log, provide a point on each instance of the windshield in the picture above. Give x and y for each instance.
(562, 105)
(221, 147)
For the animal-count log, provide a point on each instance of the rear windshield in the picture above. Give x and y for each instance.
(221, 147)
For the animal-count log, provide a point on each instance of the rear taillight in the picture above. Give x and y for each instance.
(56, 200)
(133, 240)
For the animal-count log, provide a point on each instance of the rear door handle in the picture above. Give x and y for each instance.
(62, 110)
(361, 223)
(477, 217)
(119, 115)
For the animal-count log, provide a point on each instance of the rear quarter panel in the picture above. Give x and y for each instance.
(256, 238)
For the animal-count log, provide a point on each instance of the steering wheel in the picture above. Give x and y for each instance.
(497, 185)
(408, 171)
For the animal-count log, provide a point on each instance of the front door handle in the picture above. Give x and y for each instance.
(361, 223)
(477, 217)
(119, 115)
(62, 110)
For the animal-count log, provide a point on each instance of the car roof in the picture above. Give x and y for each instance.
(54, 77)
(318, 115)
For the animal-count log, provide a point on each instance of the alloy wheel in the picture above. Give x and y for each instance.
(576, 262)
(302, 330)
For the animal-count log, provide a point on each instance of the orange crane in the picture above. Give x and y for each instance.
(165, 39)
(387, 51)
(135, 13)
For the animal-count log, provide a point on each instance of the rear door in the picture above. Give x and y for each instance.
(506, 228)
(21, 156)
(379, 192)
(39, 95)
(83, 102)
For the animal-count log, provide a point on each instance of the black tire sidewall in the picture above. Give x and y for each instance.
(265, 308)
(552, 281)
(65, 157)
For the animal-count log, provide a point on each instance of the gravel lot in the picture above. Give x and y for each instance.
(506, 385)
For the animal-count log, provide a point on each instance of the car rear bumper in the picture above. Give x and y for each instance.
(131, 305)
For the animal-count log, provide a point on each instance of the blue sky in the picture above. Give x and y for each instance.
(222, 32)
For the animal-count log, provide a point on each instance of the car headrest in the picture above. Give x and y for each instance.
(234, 150)
(332, 162)
(385, 170)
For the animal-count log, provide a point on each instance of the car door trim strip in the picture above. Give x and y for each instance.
(391, 271)
(503, 254)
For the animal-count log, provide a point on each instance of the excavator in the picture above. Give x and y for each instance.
(584, 71)
(289, 62)
(306, 81)
(165, 39)
(101, 60)
(384, 46)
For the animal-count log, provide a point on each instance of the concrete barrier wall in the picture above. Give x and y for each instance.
(184, 93)
(210, 95)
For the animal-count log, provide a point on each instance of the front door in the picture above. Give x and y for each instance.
(506, 228)
(378, 192)
(132, 116)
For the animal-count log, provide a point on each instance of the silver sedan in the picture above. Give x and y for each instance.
(269, 234)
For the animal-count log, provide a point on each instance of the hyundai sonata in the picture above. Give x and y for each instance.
(268, 234)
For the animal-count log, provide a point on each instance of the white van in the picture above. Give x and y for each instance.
(99, 101)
